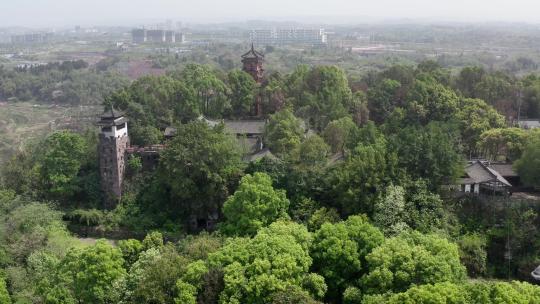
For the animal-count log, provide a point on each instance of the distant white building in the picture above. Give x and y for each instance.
(32, 38)
(180, 38)
(156, 36)
(288, 36)
(529, 123)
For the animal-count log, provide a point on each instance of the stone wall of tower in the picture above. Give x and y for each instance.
(254, 67)
(112, 153)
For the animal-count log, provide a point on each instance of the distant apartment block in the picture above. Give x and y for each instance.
(180, 38)
(138, 35)
(156, 36)
(31, 38)
(288, 36)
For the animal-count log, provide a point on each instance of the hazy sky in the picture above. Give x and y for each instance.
(106, 12)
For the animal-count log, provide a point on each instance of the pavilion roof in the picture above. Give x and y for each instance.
(252, 53)
(479, 173)
(112, 117)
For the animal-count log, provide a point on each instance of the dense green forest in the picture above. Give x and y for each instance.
(351, 207)
(66, 82)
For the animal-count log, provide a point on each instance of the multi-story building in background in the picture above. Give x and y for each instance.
(138, 35)
(31, 38)
(283, 36)
(180, 37)
(156, 36)
(170, 36)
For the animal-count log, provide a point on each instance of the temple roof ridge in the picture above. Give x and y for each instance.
(111, 112)
(252, 53)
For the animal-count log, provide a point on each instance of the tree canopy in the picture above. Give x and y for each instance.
(283, 132)
(528, 166)
(243, 92)
(276, 259)
(339, 251)
(198, 167)
(254, 205)
(412, 259)
(352, 202)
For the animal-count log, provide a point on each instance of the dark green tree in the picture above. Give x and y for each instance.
(275, 260)
(295, 82)
(321, 216)
(435, 70)
(321, 95)
(336, 134)
(198, 167)
(468, 79)
(401, 73)
(383, 99)
(353, 184)
(152, 278)
(153, 103)
(475, 117)
(424, 210)
(283, 132)
(472, 250)
(531, 96)
(210, 91)
(274, 94)
(313, 151)
(495, 88)
(339, 252)
(428, 100)
(528, 166)
(61, 159)
(507, 143)
(431, 153)
(242, 96)
(198, 247)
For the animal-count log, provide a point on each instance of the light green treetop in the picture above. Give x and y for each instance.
(255, 204)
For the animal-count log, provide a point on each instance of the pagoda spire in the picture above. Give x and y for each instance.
(252, 62)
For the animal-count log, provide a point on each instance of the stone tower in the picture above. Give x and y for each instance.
(113, 142)
(252, 62)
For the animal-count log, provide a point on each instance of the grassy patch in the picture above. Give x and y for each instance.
(22, 122)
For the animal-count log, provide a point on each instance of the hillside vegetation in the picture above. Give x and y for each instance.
(351, 206)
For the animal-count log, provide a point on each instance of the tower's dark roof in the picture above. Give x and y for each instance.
(112, 113)
(252, 53)
(237, 127)
(112, 117)
(245, 126)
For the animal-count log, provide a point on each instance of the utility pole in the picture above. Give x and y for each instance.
(508, 253)
(520, 100)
